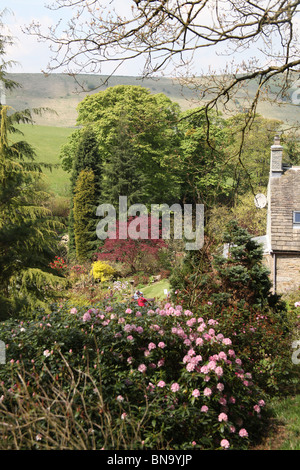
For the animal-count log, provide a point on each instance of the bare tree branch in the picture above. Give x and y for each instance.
(168, 36)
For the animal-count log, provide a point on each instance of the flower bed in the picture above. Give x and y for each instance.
(166, 378)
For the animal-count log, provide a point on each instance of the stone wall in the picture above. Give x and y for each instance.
(284, 200)
(287, 271)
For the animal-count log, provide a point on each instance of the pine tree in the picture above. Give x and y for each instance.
(88, 157)
(123, 173)
(85, 215)
(238, 279)
(28, 233)
(241, 276)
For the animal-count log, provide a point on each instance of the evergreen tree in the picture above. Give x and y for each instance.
(28, 233)
(241, 277)
(123, 173)
(238, 279)
(87, 156)
(84, 215)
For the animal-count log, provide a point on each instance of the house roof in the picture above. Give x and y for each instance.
(284, 199)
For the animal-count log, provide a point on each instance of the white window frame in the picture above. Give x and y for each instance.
(296, 224)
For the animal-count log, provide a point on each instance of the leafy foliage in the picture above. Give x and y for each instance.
(28, 233)
(237, 289)
(84, 215)
(206, 175)
(174, 375)
(102, 271)
(136, 133)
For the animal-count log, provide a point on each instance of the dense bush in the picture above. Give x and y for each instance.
(262, 339)
(126, 378)
(139, 251)
(102, 271)
(236, 290)
(238, 278)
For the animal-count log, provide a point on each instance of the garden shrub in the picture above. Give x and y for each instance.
(239, 289)
(102, 271)
(165, 377)
(139, 252)
(238, 279)
(262, 339)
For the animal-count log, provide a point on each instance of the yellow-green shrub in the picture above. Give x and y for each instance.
(102, 271)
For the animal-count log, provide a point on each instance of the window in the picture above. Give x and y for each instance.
(296, 218)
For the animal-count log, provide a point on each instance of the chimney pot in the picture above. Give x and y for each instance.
(277, 140)
(276, 157)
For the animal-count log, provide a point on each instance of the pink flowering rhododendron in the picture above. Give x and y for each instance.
(86, 316)
(175, 387)
(177, 369)
(225, 443)
(222, 417)
(161, 384)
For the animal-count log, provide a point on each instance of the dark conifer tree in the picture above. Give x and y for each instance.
(87, 158)
(84, 215)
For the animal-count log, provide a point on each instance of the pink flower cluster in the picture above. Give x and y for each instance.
(196, 337)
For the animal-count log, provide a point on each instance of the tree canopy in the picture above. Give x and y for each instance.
(137, 140)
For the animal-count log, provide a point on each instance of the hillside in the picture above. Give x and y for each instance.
(60, 93)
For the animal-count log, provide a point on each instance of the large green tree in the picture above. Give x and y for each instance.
(250, 152)
(206, 176)
(138, 139)
(28, 232)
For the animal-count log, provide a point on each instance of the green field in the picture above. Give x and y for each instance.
(157, 290)
(47, 141)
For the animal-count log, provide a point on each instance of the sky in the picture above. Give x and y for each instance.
(32, 56)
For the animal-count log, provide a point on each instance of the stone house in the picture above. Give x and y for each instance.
(282, 241)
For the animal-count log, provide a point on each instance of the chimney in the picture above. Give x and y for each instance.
(276, 158)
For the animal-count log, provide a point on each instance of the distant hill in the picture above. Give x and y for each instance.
(60, 93)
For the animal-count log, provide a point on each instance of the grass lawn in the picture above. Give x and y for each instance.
(157, 290)
(287, 413)
(47, 141)
(284, 432)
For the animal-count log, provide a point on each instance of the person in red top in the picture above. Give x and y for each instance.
(142, 301)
